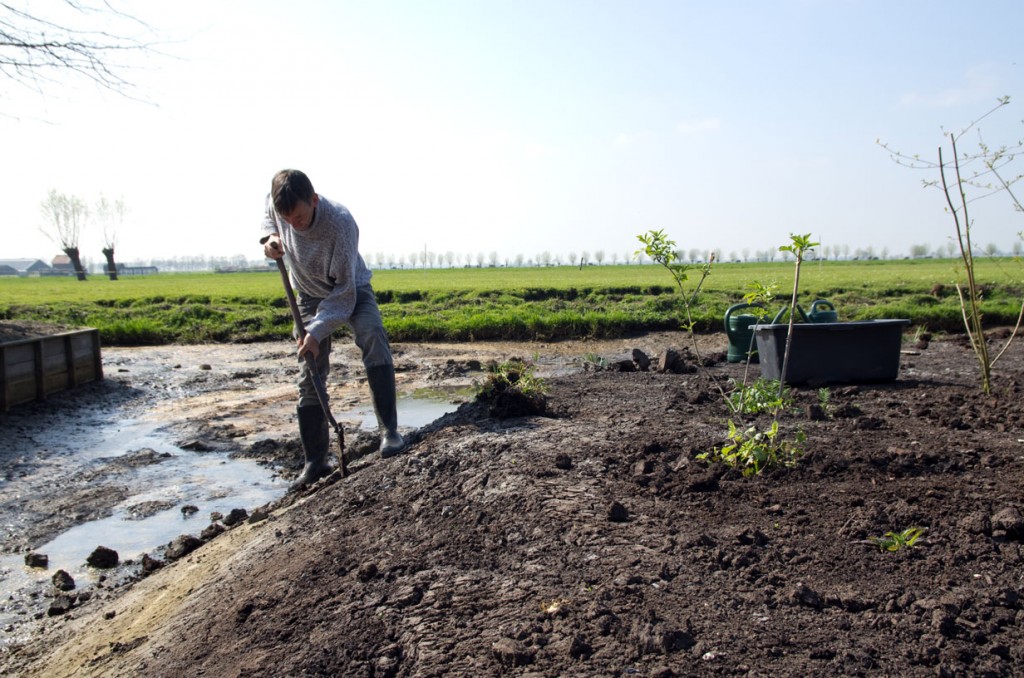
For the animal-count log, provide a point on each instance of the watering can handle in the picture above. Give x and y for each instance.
(737, 307)
(823, 303)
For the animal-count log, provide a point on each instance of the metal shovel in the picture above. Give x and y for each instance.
(318, 383)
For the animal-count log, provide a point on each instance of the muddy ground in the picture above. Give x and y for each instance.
(589, 542)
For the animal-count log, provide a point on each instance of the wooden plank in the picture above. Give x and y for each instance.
(24, 392)
(37, 351)
(69, 362)
(30, 369)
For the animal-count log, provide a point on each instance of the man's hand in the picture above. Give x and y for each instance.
(273, 248)
(309, 344)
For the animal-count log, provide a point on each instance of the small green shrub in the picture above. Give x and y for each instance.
(760, 396)
(751, 451)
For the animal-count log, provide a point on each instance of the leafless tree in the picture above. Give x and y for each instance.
(65, 216)
(88, 38)
(111, 215)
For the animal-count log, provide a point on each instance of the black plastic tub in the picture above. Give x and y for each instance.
(861, 351)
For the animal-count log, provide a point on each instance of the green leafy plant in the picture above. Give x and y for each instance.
(894, 541)
(751, 451)
(761, 293)
(662, 250)
(760, 396)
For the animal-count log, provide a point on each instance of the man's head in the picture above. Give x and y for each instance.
(294, 198)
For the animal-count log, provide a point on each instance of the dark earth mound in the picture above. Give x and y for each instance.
(592, 542)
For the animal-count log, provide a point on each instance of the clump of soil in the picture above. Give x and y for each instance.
(511, 389)
(595, 543)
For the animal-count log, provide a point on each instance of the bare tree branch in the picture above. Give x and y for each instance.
(36, 50)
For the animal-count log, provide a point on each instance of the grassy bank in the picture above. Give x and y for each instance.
(479, 304)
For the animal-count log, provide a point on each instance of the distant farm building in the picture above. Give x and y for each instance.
(23, 267)
(61, 265)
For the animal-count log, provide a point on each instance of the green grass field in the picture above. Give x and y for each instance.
(504, 303)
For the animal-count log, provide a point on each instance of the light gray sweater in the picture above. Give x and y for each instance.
(324, 262)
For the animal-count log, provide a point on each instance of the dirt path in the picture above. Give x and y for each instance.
(588, 543)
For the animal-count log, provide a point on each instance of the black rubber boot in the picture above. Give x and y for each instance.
(316, 438)
(382, 387)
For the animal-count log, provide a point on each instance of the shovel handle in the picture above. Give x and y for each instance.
(321, 389)
(290, 293)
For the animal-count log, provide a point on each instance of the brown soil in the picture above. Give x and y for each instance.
(591, 542)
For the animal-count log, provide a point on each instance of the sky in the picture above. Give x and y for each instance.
(527, 126)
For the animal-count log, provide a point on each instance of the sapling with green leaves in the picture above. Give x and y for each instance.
(749, 450)
(753, 451)
(799, 246)
(663, 251)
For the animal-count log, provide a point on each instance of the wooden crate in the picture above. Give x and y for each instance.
(31, 369)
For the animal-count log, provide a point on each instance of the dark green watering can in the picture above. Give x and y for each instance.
(822, 312)
(739, 329)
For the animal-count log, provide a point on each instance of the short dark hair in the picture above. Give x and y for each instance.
(289, 188)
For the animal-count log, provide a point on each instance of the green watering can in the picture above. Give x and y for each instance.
(822, 312)
(739, 329)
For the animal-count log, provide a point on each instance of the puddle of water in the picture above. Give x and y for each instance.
(209, 481)
(423, 407)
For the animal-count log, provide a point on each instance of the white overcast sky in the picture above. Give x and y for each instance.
(522, 126)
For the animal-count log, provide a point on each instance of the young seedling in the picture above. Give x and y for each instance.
(825, 401)
(894, 541)
(592, 361)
